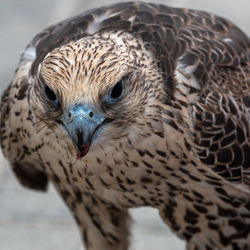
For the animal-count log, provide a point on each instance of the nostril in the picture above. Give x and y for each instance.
(91, 114)
(70, 116)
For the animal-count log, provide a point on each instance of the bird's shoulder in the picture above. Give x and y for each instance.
(19, 140)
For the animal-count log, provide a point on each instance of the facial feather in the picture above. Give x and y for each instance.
(84, 71)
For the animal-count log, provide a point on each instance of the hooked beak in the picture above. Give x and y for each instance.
(83, 125)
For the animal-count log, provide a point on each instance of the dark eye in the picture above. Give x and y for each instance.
(50, 94)
(117, 90)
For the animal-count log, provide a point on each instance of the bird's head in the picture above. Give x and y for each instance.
(100, 87)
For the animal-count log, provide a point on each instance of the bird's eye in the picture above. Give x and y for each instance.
(114, 94)
(117, 90)
(50, 94)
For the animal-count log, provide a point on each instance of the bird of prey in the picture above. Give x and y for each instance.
(137, 104)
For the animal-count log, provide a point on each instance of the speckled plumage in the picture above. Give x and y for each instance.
(175, 137)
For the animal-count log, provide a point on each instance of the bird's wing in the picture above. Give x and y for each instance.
(221, 124)
(19, 142)
(217, 68)
(16, 134)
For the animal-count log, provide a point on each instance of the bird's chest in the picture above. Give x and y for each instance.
(128, 176)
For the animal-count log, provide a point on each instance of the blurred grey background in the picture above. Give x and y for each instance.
(36, 221)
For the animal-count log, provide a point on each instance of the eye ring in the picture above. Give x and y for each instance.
(117, 90)
(114, 94)
(50, 94)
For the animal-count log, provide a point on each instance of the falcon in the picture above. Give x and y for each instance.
(137, 104)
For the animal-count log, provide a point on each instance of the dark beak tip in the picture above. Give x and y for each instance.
(82, 151)
(79, 155)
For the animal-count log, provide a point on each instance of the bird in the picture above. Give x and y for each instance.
(137, 104)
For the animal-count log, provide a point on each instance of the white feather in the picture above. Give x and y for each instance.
(29, 54)
(184, 73)
(94, 26)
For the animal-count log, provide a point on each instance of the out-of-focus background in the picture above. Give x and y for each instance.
(37, 221)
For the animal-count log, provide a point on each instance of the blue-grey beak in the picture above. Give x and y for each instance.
(82, 123)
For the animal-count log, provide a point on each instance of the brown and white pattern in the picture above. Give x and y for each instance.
(168, 92)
